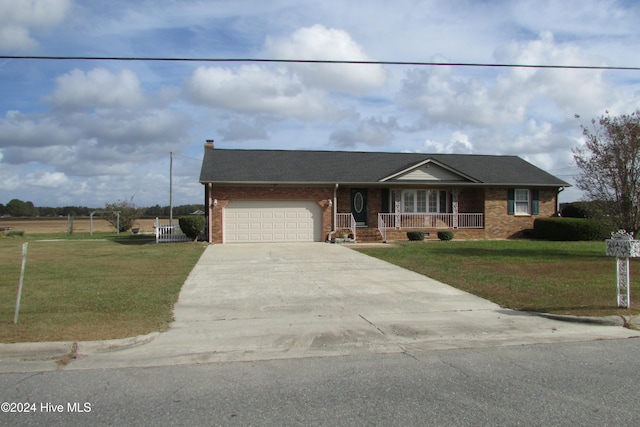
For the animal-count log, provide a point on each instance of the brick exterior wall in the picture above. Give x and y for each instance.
(499, 225)
(321, 195)
(490, 201)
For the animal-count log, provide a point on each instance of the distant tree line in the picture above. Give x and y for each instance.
(19, 208)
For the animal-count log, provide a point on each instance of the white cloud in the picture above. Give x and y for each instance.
(455, 96)
(44, 179)
(458, 143)
(321, 43)
(19, 17)
(97, 88)
(253, 89)
(30, 130)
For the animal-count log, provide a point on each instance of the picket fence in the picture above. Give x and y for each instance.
(167, 233)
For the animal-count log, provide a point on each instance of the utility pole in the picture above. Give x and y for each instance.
(171, 188)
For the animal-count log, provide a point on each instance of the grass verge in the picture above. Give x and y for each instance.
(575, 278)
(83, 287)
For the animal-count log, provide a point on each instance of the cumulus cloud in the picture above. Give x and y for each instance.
(33, 130)
(449, 95)
(44, 179)
(458, 143)
(253, 89)
(19, 18)
(97, 88)
(321, 43)
(101, 123)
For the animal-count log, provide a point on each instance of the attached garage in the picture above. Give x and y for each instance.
(272, 221)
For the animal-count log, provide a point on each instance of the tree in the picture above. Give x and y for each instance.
(128, 214)
(17, 207)
(609, 165)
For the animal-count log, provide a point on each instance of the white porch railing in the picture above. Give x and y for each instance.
(346, 221)
(382, 227)
(430, 220)
(166, 233)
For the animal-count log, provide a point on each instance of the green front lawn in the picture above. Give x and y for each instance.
(554, 277)
(91, 288)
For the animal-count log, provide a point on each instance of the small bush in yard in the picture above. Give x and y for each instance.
(445, 235)
(415, 235)
(192, 225)
(12, 233)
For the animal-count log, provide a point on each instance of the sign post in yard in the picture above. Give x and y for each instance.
(623, 246)
(24, 263)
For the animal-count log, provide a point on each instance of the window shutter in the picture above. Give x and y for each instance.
(535, 202)
(511, 204)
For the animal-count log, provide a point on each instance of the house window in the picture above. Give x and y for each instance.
(408, 201)
(423, 201)
(522, 202)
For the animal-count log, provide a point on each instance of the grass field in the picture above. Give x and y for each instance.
(574, 278)
(87, 288)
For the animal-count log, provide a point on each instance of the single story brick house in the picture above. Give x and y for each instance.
(299, 195)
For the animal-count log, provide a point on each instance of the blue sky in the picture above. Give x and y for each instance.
(91, 132)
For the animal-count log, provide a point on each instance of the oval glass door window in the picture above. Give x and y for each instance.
(358, 202)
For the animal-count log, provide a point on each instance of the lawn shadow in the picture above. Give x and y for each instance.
(506, 253)
(133, 240)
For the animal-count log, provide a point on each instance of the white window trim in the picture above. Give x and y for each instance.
(415, 200)
(523, 204)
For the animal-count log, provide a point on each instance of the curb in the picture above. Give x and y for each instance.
(631, 322)
(92, 347)
(51, 350)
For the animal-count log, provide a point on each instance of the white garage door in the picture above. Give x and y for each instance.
(272, 221)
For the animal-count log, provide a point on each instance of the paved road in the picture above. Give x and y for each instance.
(282, 301)
(565, 384)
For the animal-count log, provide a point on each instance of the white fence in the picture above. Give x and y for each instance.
(166, 233)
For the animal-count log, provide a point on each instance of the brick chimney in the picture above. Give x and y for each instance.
(209, 144)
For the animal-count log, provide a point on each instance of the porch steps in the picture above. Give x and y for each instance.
(368, 235)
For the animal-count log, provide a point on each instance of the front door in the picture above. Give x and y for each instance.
(359, 205)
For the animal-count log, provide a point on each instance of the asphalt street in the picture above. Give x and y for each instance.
(563, 384)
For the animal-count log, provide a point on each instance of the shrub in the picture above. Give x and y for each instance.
(415, 235)
(574, 211)
(128, 214)
(12, 233)
(192, 225)
(570, 229)
(445, 235)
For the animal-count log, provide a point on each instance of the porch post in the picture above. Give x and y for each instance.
(397, 207)
(454, 205)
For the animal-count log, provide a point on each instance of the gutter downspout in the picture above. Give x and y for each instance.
(210, 214)
(560, 190)
(335, 211)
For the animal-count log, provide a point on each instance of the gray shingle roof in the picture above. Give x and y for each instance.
(295, 166)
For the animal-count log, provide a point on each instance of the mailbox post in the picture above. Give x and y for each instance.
(623, 246)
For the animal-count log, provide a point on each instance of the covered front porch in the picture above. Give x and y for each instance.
(393, 226)
(382, 213)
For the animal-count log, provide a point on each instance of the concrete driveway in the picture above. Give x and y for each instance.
(269, 301)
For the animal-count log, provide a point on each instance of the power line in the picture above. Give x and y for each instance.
(316, 61)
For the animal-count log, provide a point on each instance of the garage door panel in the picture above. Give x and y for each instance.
(272, 221)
